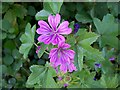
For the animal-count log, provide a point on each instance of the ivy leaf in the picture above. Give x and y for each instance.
(108, 30)
(42, 49)
(113, 7)
(36, 76)
(49, 7)
(43, 14)
(41, 77)
(19, 11)
(27, 40)
(53, 6)
(85, 41)
(50, 83)
(109, 81)
(87, 80)
(83, 17)
(78, 57)
(83, 47)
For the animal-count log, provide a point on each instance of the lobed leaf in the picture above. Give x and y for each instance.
(27, 40)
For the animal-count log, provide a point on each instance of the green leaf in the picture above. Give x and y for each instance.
(4, 35)
(78, 57)
(49, 7)
(16, 54)
(83, 17)
(42, 15)
(109, 81)
(83, 47)
(41, 77)
(27, 40)
(19, 11)
(113, 6)
(72, 25)
(107, 67)
(52, 5)
(11, 36)
(8, 60)
(85, 40)
(9, 44)
(5, 25)
(92, 53)
(3, 69)
(10, 16)
(37, 75)
(42, 49)
(5, 7)
(11, 30)
(108, 30)
(88, 38)
(31, 10)
(50, 82)
(100, 7)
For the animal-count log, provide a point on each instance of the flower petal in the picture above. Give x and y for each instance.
(58, 39)
(45, 38)
(64, 29)
(63, 68)
(54, 21)
(53, 52)
(64, 45)
(44, 27)
(38, 48)
(55, 60)
(70, 53)
(71, 67)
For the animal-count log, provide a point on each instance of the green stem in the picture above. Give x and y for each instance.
(35, 44)
(46, 52)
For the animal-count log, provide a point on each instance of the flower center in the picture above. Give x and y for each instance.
(54, 31)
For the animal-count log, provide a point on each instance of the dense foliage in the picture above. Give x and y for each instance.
(95, 39)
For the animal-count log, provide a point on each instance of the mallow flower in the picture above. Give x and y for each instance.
(62, 56)
(112, 58)
(76, 27)
(38, 48)
(52, 32)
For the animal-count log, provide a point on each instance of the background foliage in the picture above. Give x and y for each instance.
(96, 41)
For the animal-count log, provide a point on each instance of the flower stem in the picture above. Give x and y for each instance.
(35, 44)
(46, 52)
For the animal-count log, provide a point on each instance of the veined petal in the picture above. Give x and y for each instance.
(45, 38)
(64, 45)
(53, 52)
(58, 39)
(53, 59)
(54, 21)
(63, 68)
(70, 53)
(71, 67)
(64, 59)
(63, 28)
(44, 27)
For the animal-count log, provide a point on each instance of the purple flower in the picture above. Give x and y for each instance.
(98, 65)
(53, 32)
(76, 27)
(63, 57)
(112, 58)
(60, 78)
(94, 78)
(65, 85)
(38, 48)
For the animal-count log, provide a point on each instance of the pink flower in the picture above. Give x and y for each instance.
(38, 48)
(53, 32)
(63, 57)
(65, 85)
